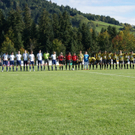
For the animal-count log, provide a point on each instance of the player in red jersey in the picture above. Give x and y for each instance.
(74, 61)
(61, 61)
(68, 60)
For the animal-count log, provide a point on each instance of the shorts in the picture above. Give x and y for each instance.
(32, 63)
(114, 61)
(25, 62)
(79, 62)
(68, 61)
(18, 62)
(131, 61)
(11, 63)
(39, 62)
(47, 61)
(98, 61)
(109, 61)
(125, 62)
(104, 61)
(120, 62)
(5, 63)
(61, 62)
(53, 62)
(74, 63)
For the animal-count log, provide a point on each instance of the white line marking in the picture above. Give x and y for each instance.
(108, 74)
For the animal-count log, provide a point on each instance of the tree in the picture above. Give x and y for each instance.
(7, 46)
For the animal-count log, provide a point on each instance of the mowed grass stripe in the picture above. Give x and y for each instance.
(68, 102)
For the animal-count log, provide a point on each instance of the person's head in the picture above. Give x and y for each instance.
(39, 51)
(131, 52)
(105, 52)
(74, 54)
(31, 52)
(126, 53)
(25, 51)
(99, 51)
(12, 53)
(61, 53)
(6, 52)
(86, 52)
(69, 53)
(54, 52)
(80, 52)
(18, 52)
(114, 52)
(120, 51)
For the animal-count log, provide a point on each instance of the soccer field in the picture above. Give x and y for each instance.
(95, 102)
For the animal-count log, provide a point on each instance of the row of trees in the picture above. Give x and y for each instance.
(55, 32)
(37, 7)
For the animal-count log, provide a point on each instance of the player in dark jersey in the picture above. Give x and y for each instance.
(68, 60)
(74, 61)
(61, 61)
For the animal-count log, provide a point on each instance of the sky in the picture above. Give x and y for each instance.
(121, 10)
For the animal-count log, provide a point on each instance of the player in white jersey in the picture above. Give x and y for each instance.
(18, 58)
(5, 61)
(39, 57)
(32, 59)
(11, 57)
(25, 60)
(53, 56)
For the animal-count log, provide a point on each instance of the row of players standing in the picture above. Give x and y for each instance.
(104, 60)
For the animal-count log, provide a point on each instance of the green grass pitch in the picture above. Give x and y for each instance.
(94, 102)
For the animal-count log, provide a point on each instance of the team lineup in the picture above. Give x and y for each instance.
(81, 61)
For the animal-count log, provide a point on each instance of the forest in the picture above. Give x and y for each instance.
(23, 27)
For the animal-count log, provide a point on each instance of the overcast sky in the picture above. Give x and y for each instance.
(121, 10)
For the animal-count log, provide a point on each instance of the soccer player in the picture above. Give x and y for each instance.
(46, 58)
(5, 61)
(74, 60)
(98, 59)
(131, 58)
(25, 60)
(53, 56)
(39, 57)
(11, 57)
(126, 60)
(80, 60)
(121, 58)
(104, 58)
(18, 58)
(86, 60)
(68, 59)
(32, 59)
(109, 57)
(91, 62)
(114, 57)
(61, 61)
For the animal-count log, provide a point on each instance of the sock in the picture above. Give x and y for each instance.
(127, 66)
(79, 67)
(30, 67)
(24, 68)
(41, 68)
(69, 67)
(33, 67)
(10, 69)
(59, 67)
(119, 66)
(20, 68)
(66, 67)
(113, 66)
(55, 67)
(62, 67)
(2, 68)
(7, 68)
(72, 66)
(96, 66)
(133, 66)
(75, 67)
(116, 66)
(89, 66)
(48, 68)
(107, 65)
(93, 66)
(100, 66)
(110, 66)
(52, 67)
(38, 68)
(17, 69)
(13, 68)
(124, 66)
(82, 67)
(44, 67)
